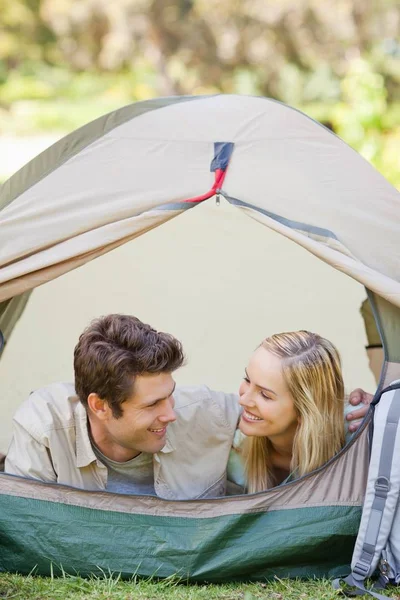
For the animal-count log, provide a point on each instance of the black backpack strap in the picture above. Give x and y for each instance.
(389, 388)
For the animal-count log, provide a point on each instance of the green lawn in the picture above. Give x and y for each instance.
(111, 588)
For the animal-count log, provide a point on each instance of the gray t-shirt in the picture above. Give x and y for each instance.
(134, 476)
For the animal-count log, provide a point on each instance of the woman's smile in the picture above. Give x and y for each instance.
(249, 417)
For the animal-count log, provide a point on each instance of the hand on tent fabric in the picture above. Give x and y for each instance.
(356, 398)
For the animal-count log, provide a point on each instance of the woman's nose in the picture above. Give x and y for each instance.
(246, 399)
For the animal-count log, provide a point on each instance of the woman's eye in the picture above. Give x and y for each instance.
(246, 379)
(265, 396)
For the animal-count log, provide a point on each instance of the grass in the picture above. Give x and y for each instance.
(75, 588)
(113, 588)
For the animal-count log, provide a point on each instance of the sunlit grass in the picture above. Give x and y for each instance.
(111, 587)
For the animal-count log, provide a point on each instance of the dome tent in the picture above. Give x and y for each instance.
(123, 175)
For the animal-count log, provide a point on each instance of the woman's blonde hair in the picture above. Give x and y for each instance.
(312, 371)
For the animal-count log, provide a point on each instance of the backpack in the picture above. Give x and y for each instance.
(378, 541)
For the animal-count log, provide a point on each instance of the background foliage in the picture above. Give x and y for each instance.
(65, 62)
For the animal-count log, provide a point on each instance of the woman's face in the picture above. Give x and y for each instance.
(268, 408)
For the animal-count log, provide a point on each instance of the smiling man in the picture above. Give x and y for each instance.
(122, 426)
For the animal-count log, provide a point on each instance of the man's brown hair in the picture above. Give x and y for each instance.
(113, 350)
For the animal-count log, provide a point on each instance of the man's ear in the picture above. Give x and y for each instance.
(98, 407)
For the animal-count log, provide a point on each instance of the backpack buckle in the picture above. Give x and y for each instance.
(361, 569)
(382, 487)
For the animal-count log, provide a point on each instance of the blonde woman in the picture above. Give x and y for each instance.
(293, 402)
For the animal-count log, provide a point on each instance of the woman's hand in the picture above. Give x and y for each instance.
(356, 398)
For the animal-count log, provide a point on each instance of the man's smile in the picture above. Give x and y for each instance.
(161, 431)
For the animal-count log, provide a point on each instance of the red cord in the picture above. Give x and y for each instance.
(218, 181)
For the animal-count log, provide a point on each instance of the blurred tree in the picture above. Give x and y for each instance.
(204, 45)
(23, 34)
(338, 61)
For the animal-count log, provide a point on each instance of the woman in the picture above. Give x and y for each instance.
(293, 401)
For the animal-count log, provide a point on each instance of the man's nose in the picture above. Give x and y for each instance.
(169, 414)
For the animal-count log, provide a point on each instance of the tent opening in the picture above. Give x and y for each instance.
(212, 277)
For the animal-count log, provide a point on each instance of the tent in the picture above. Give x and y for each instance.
(129, 172)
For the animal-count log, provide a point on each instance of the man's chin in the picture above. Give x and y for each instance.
(155, 446)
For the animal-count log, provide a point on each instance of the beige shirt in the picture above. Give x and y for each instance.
(51, 443)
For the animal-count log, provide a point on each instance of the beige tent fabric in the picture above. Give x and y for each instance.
(373, 280)
(71, 144)
(341, 482)
(66, 256)
(114, 188)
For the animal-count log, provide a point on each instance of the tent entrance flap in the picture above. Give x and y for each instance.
(262, 533)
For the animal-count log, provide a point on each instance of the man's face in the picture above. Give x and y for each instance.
(145, 418)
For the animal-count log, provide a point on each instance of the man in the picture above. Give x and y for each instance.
(124, 427)
(105, 432)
